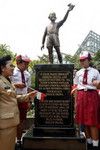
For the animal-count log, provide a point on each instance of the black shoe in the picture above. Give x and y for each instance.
(18, 145)
(89, 146)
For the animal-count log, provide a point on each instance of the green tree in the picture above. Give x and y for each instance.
(72, 59)
(96, 59)
(41, 60)
(5, 50)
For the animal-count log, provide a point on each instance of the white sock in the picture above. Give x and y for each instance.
(89, 140)
(95, 142)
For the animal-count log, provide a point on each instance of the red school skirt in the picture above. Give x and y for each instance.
(23, 107)
(88, 107)
(98, 126)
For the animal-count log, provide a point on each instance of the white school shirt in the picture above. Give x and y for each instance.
(16, 78)
(92, 74)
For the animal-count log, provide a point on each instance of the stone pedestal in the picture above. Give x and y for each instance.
(54, 127)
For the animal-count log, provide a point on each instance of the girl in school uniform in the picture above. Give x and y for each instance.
(87, 100)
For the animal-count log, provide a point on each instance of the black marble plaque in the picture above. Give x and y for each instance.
(55, 81)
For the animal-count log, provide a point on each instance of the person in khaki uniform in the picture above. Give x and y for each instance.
(9, 113)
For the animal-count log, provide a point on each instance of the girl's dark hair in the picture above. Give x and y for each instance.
(3, 61)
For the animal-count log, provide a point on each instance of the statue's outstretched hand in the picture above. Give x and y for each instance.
(70, 7)
(42, 47)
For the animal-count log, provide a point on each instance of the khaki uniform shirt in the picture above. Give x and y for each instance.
(9, 113)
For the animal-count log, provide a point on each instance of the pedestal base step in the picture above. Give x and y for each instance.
(31, 142)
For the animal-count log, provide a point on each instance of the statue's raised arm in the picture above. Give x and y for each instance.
(60, 23)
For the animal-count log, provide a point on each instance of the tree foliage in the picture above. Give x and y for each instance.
(96, 59)
(72, 59)
(5, 50)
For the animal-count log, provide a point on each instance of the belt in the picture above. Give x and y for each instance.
(86, 90)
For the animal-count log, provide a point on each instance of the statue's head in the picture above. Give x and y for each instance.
(52, 16)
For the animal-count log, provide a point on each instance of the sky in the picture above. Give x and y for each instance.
(22, 24)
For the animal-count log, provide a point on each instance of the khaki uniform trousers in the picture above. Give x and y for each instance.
(7, 138)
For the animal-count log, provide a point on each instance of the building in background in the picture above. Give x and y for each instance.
(91, 43)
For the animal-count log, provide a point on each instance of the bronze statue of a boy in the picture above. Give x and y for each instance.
(52, 33)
